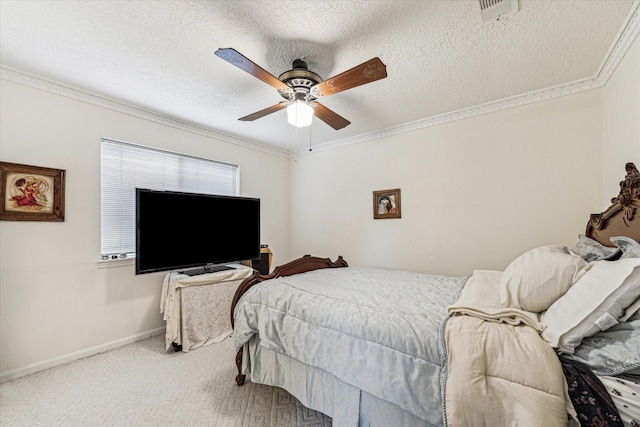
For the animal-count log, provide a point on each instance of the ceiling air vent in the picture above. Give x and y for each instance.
(494, 10)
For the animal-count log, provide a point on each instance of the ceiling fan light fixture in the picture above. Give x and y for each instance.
(299, 114)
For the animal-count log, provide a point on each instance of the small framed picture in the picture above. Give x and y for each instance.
(386, 204)
(31, 193)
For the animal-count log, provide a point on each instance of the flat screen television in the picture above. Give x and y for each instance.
(177, 231)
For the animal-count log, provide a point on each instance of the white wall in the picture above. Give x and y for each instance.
(621, 124)
(54, 301)
(475, 193)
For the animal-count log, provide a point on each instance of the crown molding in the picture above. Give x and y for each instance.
(626, 36)
(628, 33)
(466, 113)
(40, 83)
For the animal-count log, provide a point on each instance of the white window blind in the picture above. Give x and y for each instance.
(125, 167)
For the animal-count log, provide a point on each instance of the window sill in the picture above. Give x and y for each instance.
(108, 263)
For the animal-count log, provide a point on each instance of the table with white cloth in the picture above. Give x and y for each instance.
(196, 308)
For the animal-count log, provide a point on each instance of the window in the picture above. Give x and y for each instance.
(126, 167)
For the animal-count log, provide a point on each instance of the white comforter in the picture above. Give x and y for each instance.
(501, 372)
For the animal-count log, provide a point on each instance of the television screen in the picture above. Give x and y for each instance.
(180, 230)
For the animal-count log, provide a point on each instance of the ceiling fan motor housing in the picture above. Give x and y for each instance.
(300, 79)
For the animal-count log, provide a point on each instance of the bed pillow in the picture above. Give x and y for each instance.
(594, 303)
(591, 250)
(629, 247)
(536, 279)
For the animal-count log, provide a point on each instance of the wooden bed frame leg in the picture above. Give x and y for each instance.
(239, 378)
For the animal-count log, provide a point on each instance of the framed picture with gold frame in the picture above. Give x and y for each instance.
(386, 204)
(31, 193)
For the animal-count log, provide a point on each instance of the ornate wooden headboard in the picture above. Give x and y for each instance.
(622, 218)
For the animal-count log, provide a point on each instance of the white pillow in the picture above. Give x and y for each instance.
(594, 303)
(537, 278)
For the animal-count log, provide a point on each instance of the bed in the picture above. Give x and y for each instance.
(551, 340)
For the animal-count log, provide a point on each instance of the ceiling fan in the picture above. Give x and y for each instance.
(301, 87)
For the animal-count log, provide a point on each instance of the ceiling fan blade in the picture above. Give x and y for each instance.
(331, 118)
(366, 72)
(234, 57)
(258, 114)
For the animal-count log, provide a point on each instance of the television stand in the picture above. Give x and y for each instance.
(196, 308)
(206, 269)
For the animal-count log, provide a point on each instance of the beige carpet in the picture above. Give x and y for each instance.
(141, 384)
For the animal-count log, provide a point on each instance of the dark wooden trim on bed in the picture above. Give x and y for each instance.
(622, 218)
(300, 265)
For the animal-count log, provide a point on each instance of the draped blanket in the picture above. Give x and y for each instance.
(195, 326)
(592, 402)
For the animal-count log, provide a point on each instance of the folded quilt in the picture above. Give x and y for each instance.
(481, 298)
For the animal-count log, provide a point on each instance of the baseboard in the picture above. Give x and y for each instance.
(36, 367)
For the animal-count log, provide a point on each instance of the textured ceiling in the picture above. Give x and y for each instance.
(440, 57)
